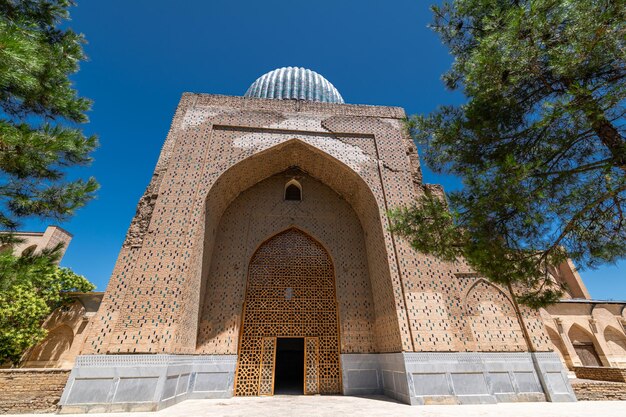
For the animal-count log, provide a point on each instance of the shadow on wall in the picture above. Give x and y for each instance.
(52, 348)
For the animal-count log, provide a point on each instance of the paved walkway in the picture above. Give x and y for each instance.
(337, 406)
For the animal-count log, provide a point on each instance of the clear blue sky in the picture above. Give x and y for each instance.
(143, 54)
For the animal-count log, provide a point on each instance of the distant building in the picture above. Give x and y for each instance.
(36, 241)
(53, 351)
(587, 333)
(67, 327)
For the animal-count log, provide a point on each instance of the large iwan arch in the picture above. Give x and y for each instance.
(317, 165)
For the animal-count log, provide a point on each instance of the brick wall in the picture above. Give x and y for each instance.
(217, 148)
(599, 390)
(31, 390)
(600, 373)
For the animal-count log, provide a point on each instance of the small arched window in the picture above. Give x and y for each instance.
(293, 191)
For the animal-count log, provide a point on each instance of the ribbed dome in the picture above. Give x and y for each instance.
(294, 83)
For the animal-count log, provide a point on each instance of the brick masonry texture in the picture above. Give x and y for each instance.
(599, 391)
(216, 194)
(30, 390)
(600, 373)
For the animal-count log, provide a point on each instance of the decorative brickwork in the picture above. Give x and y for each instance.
(31, 390)
(290, 293)
(217, 194)
(311, 365)
(492, 319)
(324, 215)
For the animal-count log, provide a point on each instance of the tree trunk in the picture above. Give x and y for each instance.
(606, 131)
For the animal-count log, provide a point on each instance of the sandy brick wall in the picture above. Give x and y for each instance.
(31, 390)
(599, 391)
(600, 373)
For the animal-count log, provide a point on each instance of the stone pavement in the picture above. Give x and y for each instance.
(287, 406)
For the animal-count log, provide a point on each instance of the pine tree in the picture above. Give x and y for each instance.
(539, 143)
(39, 138)
(39, 113)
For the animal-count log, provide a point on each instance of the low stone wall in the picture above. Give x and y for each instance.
(600, 373)
(31, 390)
(457, 377)
(599, 390)
(116, 383)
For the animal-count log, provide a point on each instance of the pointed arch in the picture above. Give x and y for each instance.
(299, 229)
(293, 190)
(578, 334)
(585, 345)
(318, 163)
(297, 234)
(29, 250)
(559, 346)
(290, 293)
(492, 318)
(616, 342)
(344, 179)
(483, 282)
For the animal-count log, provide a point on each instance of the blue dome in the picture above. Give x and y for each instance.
(294, 83)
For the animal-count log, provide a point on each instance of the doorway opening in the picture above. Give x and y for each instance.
(587, 354)
(289, 371)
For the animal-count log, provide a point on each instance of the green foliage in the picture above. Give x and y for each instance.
(31, 287)
(36, 99)
(539, 144)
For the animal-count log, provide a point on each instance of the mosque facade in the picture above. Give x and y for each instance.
(260, 262)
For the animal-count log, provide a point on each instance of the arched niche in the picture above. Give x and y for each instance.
(259, 213)
(290, 293)
(341, 178)
(293, 190)
(585, 345)
(492, 318)
(29, 250)
(616, 342)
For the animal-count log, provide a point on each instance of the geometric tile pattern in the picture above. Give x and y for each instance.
(268, 364)
(311, 362)
(290, 293)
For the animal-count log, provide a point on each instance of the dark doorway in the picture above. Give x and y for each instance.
(587, 354)
(289, 373)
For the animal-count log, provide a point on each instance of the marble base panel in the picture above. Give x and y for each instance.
(457, 378)
(110, 383)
